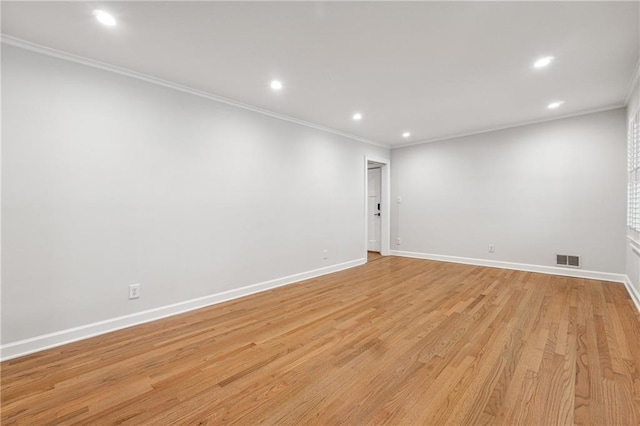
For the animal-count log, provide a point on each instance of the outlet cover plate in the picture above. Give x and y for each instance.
(134, 291)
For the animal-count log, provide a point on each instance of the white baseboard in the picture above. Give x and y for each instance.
(576, 273)
(633, 293)
(551, 270)
(58, 338)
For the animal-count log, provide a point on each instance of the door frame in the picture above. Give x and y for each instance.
(385, 201)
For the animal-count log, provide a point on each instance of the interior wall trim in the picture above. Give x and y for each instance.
(632, 83)
(512, 126)
(62, 337)
(13, 41)
(551, 270)
(633, 293)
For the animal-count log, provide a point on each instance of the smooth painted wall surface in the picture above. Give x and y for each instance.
(532, 191)
(633, 259)
(108, 180)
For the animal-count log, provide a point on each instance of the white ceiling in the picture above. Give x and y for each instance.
(435, 69)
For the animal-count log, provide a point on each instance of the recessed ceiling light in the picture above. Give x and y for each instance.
(406, 134)
(543, 62)
(554, 105)
(104, 18)
(276, 85)
(357, 116)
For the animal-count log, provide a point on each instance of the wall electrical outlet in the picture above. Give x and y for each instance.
(325, 254)
(492, 248)
(398, 240)
(134, 291)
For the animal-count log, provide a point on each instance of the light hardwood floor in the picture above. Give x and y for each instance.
(373, 255)
(397, 341)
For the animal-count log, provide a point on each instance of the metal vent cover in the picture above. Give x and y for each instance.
(571, 261)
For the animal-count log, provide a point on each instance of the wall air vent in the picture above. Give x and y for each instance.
(568, 260)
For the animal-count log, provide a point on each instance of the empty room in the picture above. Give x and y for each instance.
(405, 213)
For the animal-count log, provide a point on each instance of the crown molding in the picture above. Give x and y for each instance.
(632, 83)
(510, 126)
(27, 45)
(13, 41)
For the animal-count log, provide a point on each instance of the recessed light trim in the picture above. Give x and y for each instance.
(276, 85)
(556, 104)
(406, 134)
(357, 116)
(543, 62)
(105, 18)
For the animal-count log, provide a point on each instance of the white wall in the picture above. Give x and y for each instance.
(532, 191)
(108, 180)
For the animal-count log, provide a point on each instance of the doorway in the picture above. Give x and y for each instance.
(373, 207)
(377, 209)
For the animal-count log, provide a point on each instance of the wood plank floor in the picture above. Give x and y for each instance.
(373, 255)
(397, 341)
